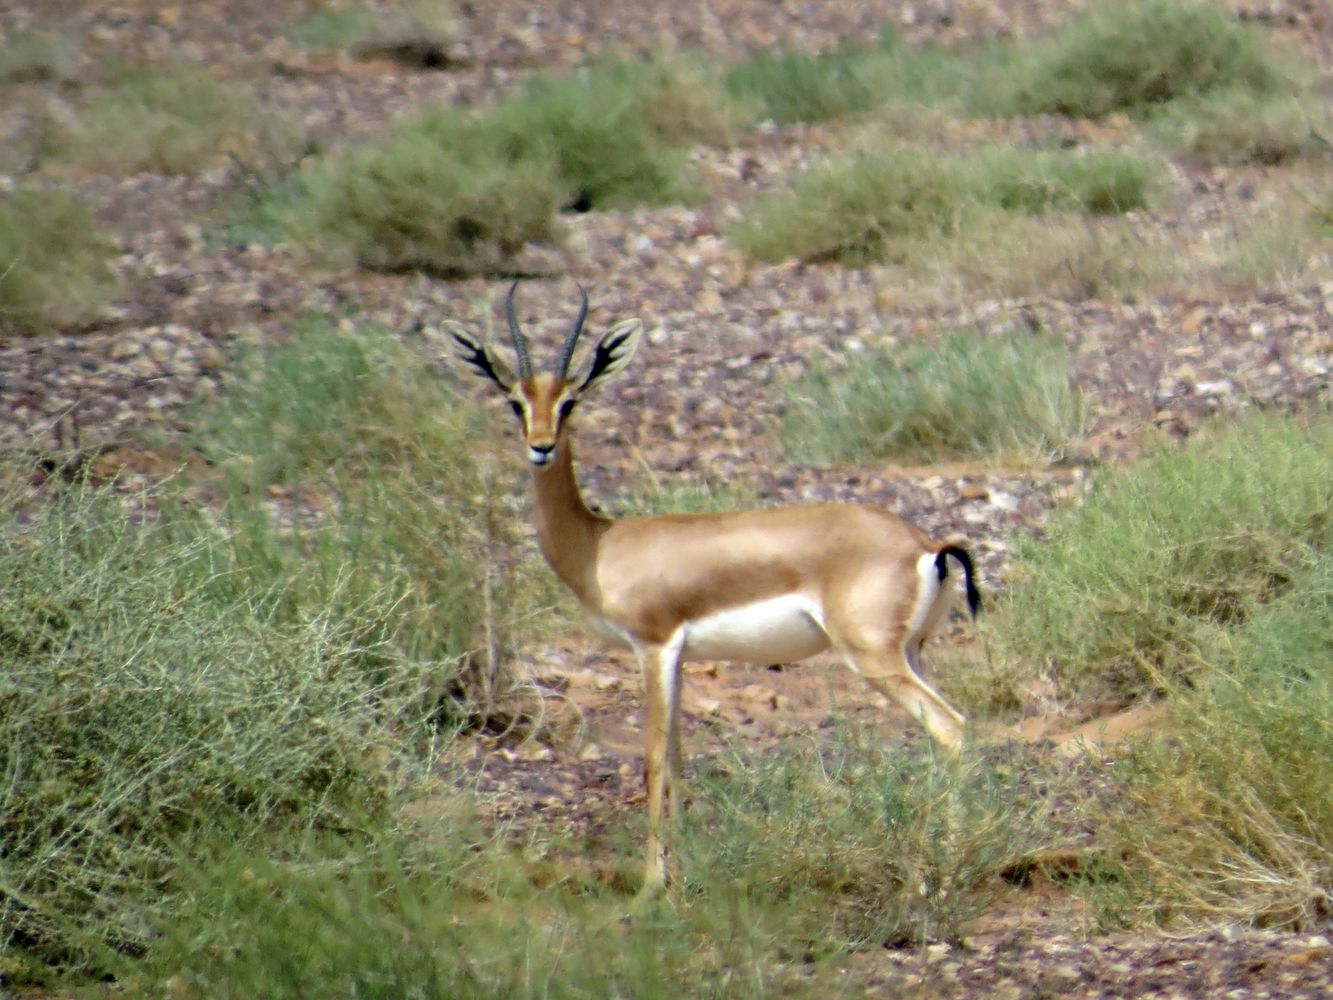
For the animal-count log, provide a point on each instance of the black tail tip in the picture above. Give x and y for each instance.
(969, 584)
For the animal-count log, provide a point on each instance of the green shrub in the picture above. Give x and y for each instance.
(1231, 822)
(148, 706)
(1237, 126)
(1134, 57)
(454, 193)
(1004, 396)
(460, 920)
(442, 196)
(871, 208)
(55, 262)
(682, 99)
(39, 55)
(855, 844)
(597, 128)
(787, 86)
(329, 27)
(390, 485)
(896, 204)
(1121, 591)
(795, 858)
(416, 32)
(170, 119)
(1100, 182)
(1055, 254)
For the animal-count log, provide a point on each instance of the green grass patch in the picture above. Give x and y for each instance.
(595, 127)
(173, 119)
(415, 32)
(870, 208)
(442, 196)
(854, 844)
(256, 657)
(39, 56)
(897, 204)
(1231, 821)
(791, 860)
(1097, 182)
(148, 704)
(1064, 255)
(1123, 592)
(1238, 126)
(1135, 57)
(786, 86)
(1004, 396)
(384, 477)
(55, 262)
(451, 192)
(331, 26)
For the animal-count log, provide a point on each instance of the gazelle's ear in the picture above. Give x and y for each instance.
(479, 356)
(612, 353)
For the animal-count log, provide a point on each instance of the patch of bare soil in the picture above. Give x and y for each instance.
(723, 335)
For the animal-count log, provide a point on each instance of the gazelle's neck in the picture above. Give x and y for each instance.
(567, 530)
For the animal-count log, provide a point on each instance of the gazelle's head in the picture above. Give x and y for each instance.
(544, 402)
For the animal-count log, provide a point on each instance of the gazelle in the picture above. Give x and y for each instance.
(761, 586)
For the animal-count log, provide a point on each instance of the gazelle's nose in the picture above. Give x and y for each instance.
(541, 454)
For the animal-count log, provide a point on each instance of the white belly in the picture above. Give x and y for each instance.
(779, 630)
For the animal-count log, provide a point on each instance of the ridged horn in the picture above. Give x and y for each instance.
(572, 338)
(520, 341)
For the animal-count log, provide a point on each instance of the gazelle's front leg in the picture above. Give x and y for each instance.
(662, 757)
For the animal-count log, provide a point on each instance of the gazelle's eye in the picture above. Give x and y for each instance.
(566, 408)
(517, 407)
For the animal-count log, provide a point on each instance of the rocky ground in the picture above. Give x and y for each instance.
(723, 334)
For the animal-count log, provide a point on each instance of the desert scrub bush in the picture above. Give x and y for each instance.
(1121, 591)
(1064, 255)
(462, 918)
(599, 127)
(441, 196)
(787, 86)
(417, 32)
(1282, 241)
(171, 119)
(451, 192)
(55, 262)
(31, 56)
(1238, 126)
(1231, 822)
(856, 844)
(1007, 395)
(803, 856)
(385, 481)
(1098, 182)
(148, 706)
(896, 204)
(1135, 57)
(869, 208)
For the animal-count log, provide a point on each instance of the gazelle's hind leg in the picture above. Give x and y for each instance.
(878, 629)
(890, 672)
(662, 757)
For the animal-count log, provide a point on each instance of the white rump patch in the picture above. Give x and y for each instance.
(928, 589)
(779, 630)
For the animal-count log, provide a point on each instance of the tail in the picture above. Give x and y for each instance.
(964, 560)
